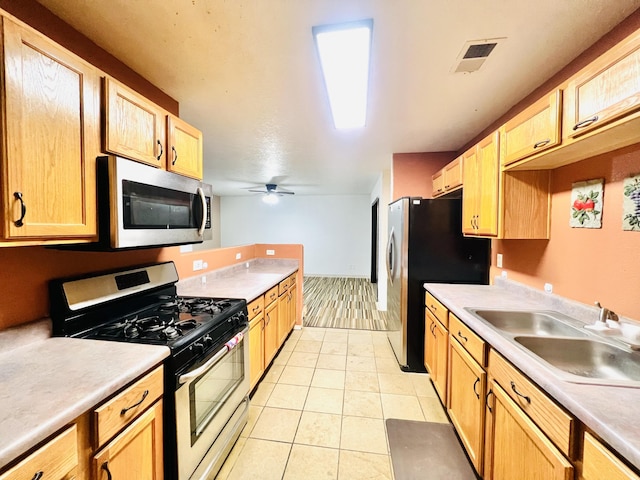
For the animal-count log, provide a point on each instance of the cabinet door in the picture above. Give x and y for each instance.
(606, 90)
(430, 345)
(534, 130)
(467, 386)
(487, 209)
(520, 449)
(270, 332)
(134, 453)
(437, 180)
(256, 349)
(600, 463)
(185, 148)
(283, 317)
(293, 306)
(134, 127)
(453, 174)
(470, 191)
(442, 360)
(52, 122)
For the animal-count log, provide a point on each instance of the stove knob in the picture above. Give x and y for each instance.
(207, 340)
(197, 347)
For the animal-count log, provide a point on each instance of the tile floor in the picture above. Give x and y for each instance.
(319, 411)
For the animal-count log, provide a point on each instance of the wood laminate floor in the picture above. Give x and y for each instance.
(341, 302)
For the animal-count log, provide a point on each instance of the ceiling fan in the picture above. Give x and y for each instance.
(271, 193)
(272, 189)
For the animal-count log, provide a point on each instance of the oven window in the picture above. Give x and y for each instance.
(209, 392)
(150, 207)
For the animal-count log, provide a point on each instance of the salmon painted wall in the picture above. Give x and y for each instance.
(584, 264)
(38, 17)
(412, 173)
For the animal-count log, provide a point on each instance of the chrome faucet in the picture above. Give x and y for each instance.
(606, 314)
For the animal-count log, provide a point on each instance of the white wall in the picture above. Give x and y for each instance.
(382, 192)
(334, 229)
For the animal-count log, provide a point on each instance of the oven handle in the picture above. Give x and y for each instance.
(203, 223)
(230, 345)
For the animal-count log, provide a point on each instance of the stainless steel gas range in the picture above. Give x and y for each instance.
(206, 376)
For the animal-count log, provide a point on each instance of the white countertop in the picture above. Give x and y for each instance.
(46, 384)
(610, 412)
(246, 280)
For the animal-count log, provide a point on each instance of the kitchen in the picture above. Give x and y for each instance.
(533, 262)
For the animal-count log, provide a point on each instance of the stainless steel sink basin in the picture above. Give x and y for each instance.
(586, 360)
(540, 323)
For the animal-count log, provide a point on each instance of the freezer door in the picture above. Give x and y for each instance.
(396, 259)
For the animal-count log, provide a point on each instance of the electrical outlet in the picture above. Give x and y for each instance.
(499, 260)
(504, 274)
(548, 288)
(271, 252)
(197, 265)
(238, 256)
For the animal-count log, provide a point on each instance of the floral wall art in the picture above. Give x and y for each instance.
(586, 204)
(631, 203)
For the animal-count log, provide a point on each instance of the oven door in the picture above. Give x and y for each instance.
(149, 206)
(207, 398)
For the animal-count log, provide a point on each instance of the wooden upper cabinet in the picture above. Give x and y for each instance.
(606, 90)
(533, 130)
(134, 127)
(437, 180)
(480, 193)
(453, 174)
(470, 191)
(184, 145)
(51, 113)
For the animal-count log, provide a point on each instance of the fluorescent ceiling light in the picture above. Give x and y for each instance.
(344, 51)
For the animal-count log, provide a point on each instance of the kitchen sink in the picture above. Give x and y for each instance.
(584, 360)
(539, 323)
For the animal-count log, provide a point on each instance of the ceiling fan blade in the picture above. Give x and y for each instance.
(257, 191)
(283, 192)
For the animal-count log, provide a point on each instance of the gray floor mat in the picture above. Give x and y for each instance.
(426, 450)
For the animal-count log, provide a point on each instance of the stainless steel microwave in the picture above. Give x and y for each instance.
(143, 206)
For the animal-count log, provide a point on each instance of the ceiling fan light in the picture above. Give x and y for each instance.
(270, 198)
(344, 53)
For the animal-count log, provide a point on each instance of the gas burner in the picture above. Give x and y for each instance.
(171, 332)
(186, 325)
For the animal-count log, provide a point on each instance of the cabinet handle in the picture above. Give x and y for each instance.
(144, 395)
(462, 336)
(38, 475)
(175, 155)
(23, 209)
(585, 123)
(255, 309)
(513, 387)
(486, 400)
(474, 388)
(268, 320)
(433, 329)
(161, 150)
(542, 143)
(105, 467)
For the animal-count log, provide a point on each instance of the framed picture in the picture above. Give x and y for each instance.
(631, 203)
(586, 204)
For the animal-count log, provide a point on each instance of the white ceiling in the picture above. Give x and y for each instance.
(245, 72)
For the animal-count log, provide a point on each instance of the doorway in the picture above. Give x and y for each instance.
(374, 243)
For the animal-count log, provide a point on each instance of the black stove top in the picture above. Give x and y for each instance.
(141, 305)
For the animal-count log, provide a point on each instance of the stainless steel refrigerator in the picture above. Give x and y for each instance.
(425, 244)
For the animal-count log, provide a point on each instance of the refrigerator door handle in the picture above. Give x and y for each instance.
(390, 256)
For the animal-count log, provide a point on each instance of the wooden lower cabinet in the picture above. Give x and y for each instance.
(599, 463)
(519, 449)
(256, 349)
(56, 460)
(271, 343)
(467, 387)
(134, 453)
(436, 353)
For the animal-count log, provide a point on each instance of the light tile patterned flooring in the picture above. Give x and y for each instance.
(319, 411)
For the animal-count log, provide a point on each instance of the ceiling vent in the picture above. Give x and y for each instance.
(474, 53)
